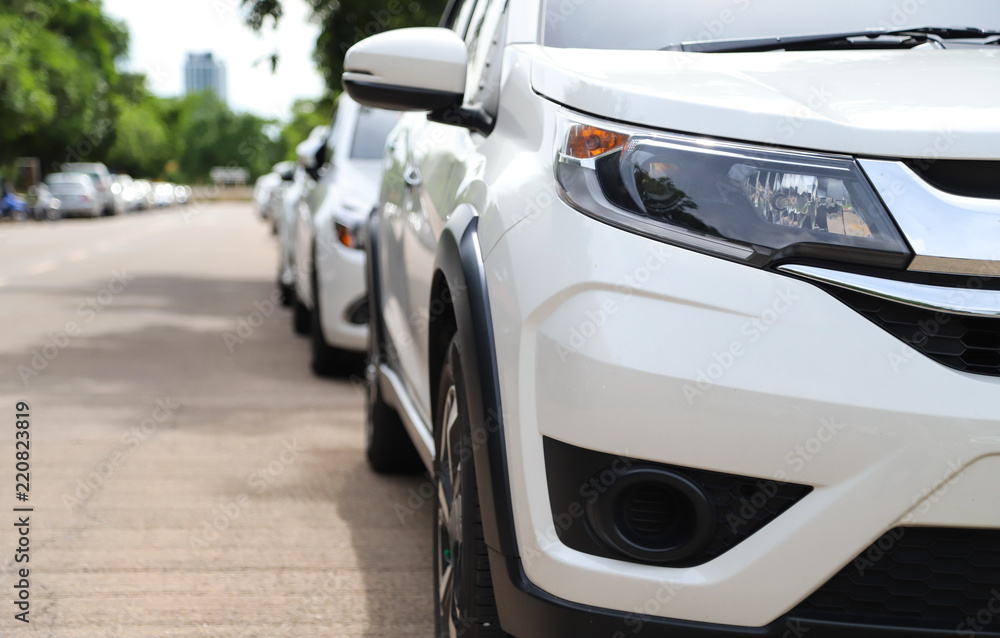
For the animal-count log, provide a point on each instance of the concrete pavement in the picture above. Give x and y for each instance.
(189, 476)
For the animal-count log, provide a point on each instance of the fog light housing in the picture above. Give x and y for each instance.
(653, 515)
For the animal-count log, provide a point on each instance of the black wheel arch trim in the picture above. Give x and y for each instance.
(460, 261)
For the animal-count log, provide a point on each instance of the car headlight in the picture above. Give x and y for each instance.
(751, 204)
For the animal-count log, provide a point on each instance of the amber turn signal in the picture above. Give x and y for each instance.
(585, 141)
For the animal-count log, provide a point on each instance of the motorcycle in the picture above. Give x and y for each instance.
(13, 207)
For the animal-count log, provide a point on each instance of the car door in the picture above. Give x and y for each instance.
(429, 165)
(314, 191)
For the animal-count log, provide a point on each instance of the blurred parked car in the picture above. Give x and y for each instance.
(163, 194)
(123, 187)
(285, 199)
(110, 204)
(182, 194)
(144, 194)
(77, 194)
(263, 191)
(329, 246)
(43, 204)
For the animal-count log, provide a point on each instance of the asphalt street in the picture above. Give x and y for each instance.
(188, 474)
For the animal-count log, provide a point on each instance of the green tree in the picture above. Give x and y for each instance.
(212, 135)
(57, 69)
(346, 22)
(306, 115)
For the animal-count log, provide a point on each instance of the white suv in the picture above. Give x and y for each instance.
(692, 311)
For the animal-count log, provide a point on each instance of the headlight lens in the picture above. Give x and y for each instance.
(745, 203)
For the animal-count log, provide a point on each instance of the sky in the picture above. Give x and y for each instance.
(164, 31)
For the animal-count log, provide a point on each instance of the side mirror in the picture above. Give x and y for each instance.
(415, 69)
(312, 151)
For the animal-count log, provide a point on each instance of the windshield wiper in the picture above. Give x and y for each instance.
(847, 39)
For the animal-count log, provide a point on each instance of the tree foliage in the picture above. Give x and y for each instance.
(345, 22)
(63, 99)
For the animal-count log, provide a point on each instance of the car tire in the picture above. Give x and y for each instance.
(463, 586)
(52, 214)
(301, 317)
(287, 293)
(325, 360)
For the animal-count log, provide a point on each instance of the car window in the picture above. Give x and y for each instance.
(458, 16)
(483, 40)
(370, 133)
(655, 24)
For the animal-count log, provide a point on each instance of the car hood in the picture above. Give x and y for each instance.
(899, 103)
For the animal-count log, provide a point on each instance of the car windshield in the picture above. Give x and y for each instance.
(658, 24)
(369, 136)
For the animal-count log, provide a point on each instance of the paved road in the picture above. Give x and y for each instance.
(189, 476)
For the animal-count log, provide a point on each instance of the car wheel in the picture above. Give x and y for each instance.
(462, 583)
(53, 214)
(325, 360)
(287, 293)
(301, 317)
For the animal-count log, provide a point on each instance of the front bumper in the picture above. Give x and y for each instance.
(340, 273)
(615, 343)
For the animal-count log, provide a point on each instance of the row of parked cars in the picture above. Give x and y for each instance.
(690, 311)
(318, 208)
(89, 189)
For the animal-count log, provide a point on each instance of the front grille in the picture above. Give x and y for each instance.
(969, 178)
(933, 578)
(969, 344)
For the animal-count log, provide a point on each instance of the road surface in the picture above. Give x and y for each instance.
(189, 476)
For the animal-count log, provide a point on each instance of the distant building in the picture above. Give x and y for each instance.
(201, 72)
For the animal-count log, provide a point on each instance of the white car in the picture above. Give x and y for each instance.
(111, 202)
(76, 193)
(296, 177)
(691, 310)
(331, 302)
(263, 195)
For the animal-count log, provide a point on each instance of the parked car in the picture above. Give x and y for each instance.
(285, 200)
(44, 205)
(110, 203)
(163, 194)
(182, 194)
(690, 310)
(123, 187)
(263, 194)
(329, 262)
(77, 194)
